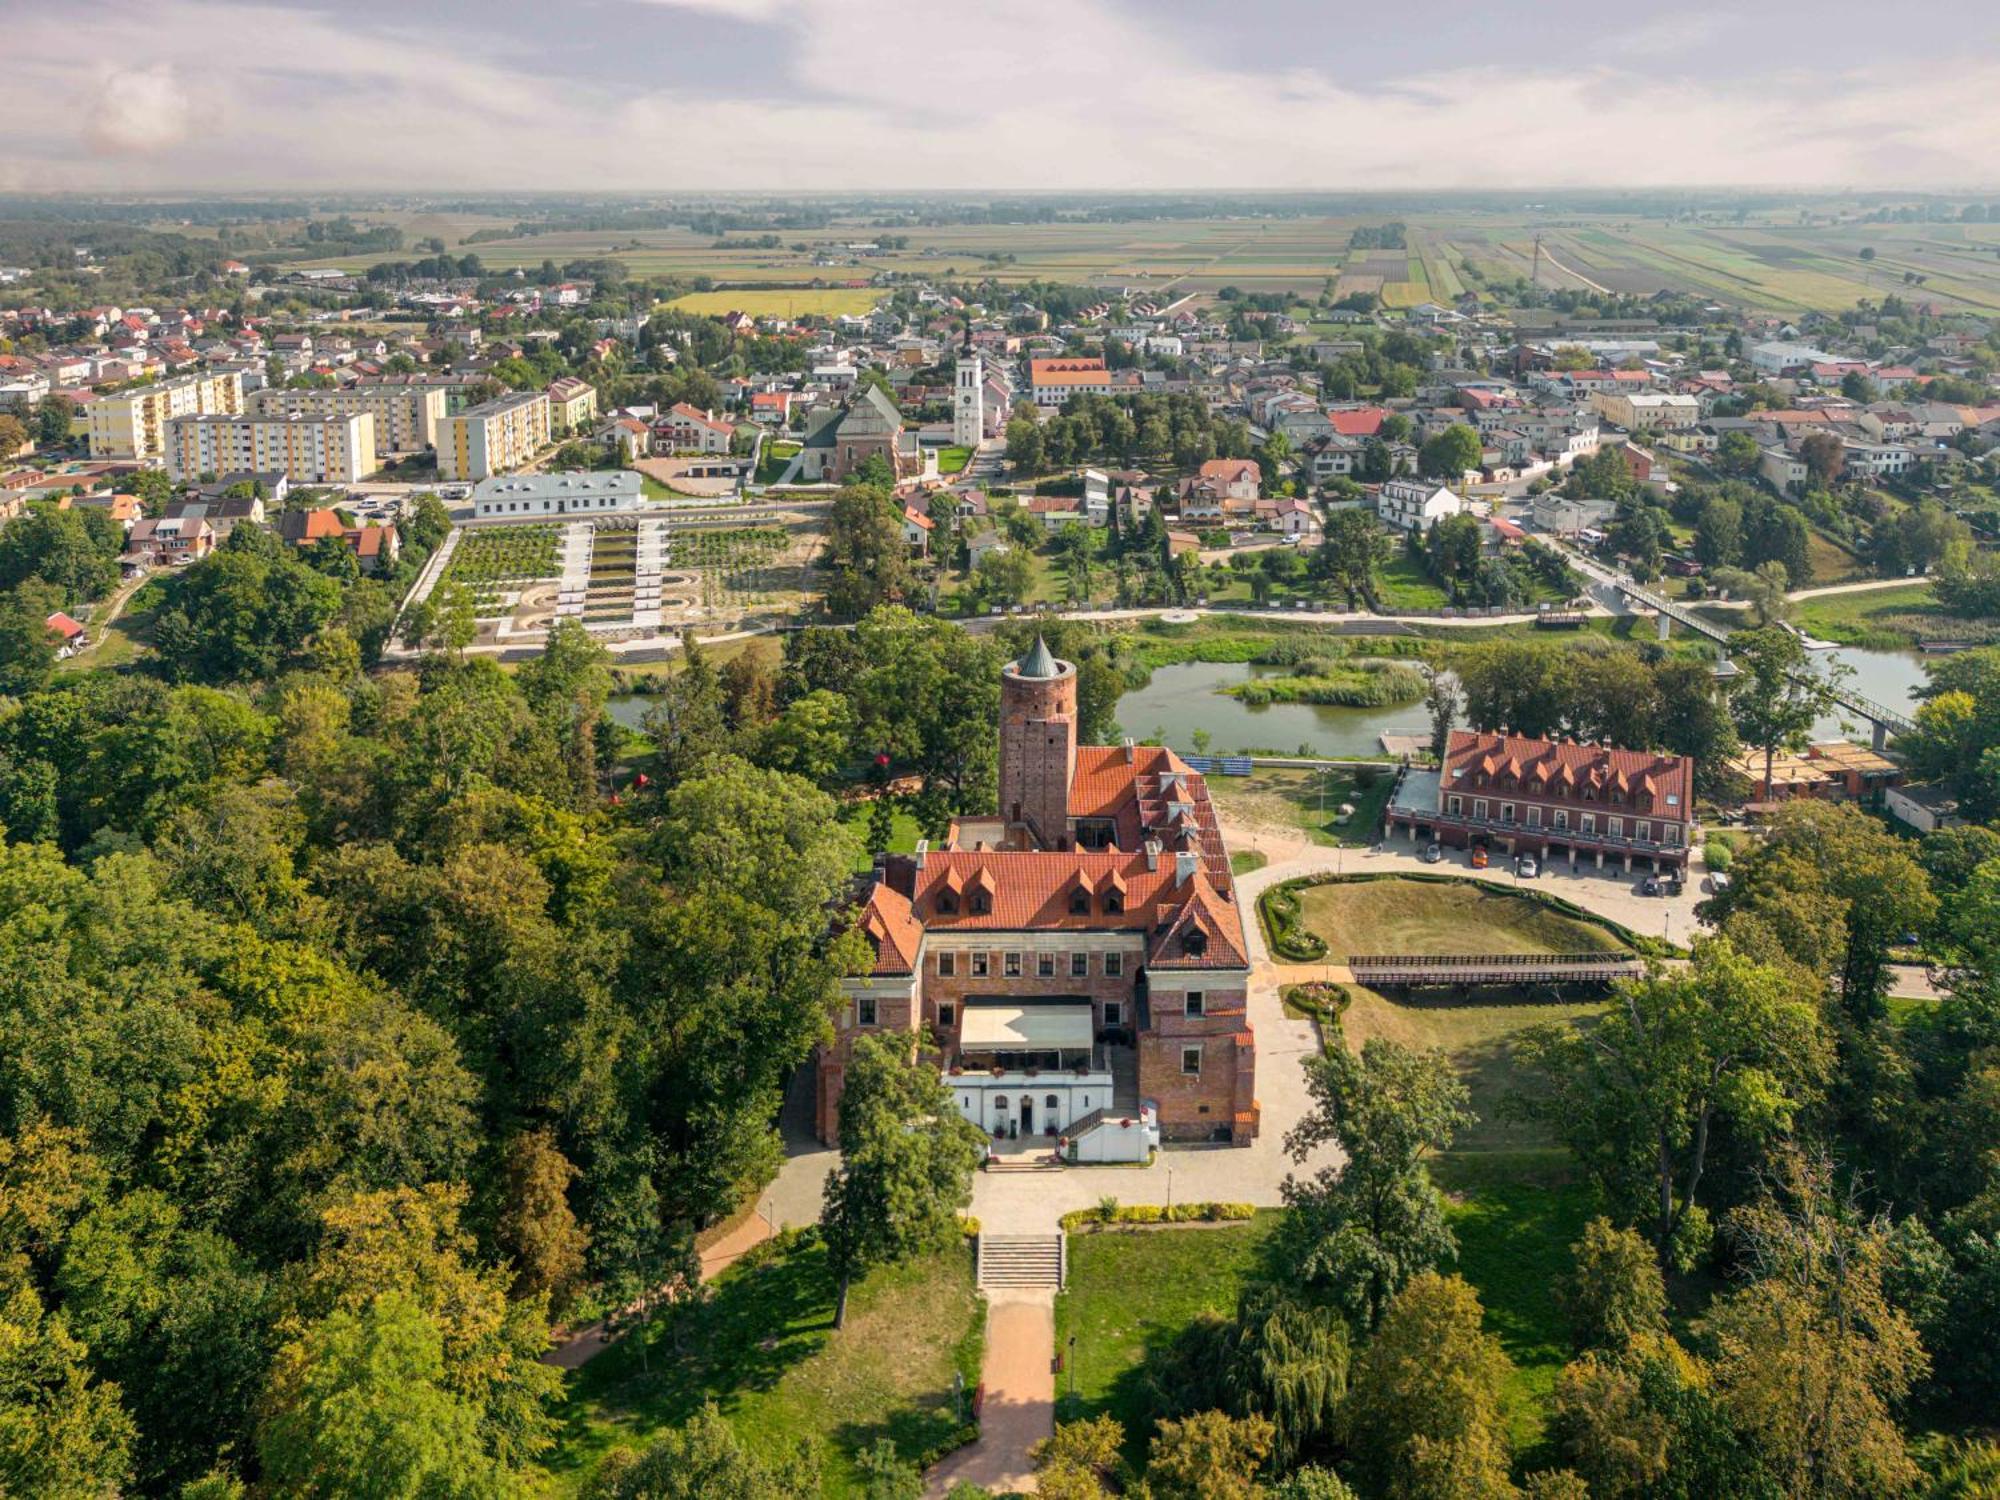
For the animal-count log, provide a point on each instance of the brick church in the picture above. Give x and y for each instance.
(1078, 958)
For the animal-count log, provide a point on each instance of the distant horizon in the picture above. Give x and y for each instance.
(1384, 195)
(606, 96)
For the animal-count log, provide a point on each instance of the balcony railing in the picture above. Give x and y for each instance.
(1593, 837)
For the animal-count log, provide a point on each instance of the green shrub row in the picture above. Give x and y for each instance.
(1279, 909)
(1111, 1211)
(1321, 999)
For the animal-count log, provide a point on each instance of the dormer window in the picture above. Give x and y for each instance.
(1194, 943)
(980, 904)
(1114, 903)
(1079, 902)
(947, 904)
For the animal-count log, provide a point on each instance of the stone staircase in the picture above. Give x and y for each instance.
(1022, 1260)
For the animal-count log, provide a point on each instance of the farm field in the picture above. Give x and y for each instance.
(1769, 261)
(827, 302)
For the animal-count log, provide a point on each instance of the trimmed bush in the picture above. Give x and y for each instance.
(1279, 908)
(1322, 999)
(1111, 1212)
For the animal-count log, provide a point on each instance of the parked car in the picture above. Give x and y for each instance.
(1719, 882)
(1479, 857)
(1527, 867)
(1432, 853)
(1652, 886)
(1674, 885)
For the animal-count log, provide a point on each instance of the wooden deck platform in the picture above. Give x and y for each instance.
(1387, 970)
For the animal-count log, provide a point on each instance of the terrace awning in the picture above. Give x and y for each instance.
(1024, 1028)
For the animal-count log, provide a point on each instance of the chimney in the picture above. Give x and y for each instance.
(1185, 864)
(921, 853)
(1152, 854)
(1128, 750)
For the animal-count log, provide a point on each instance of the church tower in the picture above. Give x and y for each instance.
(968, 412)
(1037, 746)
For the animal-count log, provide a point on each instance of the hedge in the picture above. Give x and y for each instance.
(1321, 999)
(1111, 1212)
(1279, 909)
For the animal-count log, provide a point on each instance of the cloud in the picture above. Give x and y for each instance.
(139, 111)
(913, 94)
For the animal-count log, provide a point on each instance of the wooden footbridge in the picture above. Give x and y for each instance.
(1434, 970)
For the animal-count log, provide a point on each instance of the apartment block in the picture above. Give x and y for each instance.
(406, 416)
(490, 439)
(305, 449)
(133, 424)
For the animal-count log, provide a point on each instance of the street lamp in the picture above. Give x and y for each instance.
(958, 1392)
(1072, 1367)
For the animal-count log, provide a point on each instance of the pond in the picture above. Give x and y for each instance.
(1181, 699)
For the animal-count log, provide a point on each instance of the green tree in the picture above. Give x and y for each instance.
(62, 1432)
(1348, 558)
(1738, 454)
(907, 1157)
(536, 1226)
(1614, 1294)
(758, 835)
(704, 1460)
(1448, 454)
(1422, 1417)
(1081, 1460)
(53, 421)
(684, 720)
(1639, 1099)
(1360, 1231)
(1718, 534)
(13, 435)
(1209, 1456)
(1779, 697)
(361, 1405)
(812, 737)
(866, 551)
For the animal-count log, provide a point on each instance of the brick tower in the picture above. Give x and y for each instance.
(1037, 745)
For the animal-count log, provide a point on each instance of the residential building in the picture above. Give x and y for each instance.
(492, 438)
(520, 497)
(305, 449)
(1831, 771)
(572, 405)
(165, 542)
(683, 428)
(1085, 935)
(132, 424)
(1551, 798)
(1051, 382)
(406, 417)
(1415, 504)
(1636, 410)
(1926, 808)
(1566, 516)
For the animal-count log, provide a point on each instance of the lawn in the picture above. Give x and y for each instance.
(1297, 801)
(1446, 916)
(903, 836)
(762, 1347)
(951, 460)
(1402, 583)
(1890, 619)
(782, 302)
(1129, 1294)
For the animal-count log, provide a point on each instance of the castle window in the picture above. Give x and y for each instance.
(1045, 965)
(1114, 903)
(947, 965)
(1191, 1061)
(981, 963)
(1052, 1102)
(864, 1010)
(1079, 902)
(1194, 1002)
(947, 903)
(980, 904)
(1114, 965)
(1013, 966)
(1079, 965)
(947, 1015)
(1194, 942)
(1114, 1013)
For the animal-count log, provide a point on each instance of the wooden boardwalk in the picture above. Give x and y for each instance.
(1377, 970)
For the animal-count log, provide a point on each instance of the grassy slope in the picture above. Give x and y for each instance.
(764, 1351)
(1305, 801)
(1401, 916)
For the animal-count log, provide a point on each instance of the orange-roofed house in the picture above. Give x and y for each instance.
(1557, 799)
(1075, 962)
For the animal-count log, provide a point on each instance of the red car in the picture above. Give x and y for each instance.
(1479, 857)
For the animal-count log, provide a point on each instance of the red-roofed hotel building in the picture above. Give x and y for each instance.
(1076, 961)
(1552, 798)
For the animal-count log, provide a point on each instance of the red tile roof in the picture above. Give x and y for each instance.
(1538, 767)
(1365, 422)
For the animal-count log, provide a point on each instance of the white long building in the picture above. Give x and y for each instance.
(305, 449)
(527, 497)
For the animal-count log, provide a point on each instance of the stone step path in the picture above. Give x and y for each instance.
(1022, 1260)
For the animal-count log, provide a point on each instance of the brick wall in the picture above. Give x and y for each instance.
(1221, 1099)
(1038, 751)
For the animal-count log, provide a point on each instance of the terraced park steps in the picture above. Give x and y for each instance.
(1022, 1260)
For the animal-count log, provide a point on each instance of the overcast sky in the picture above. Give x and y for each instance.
(1025, 94)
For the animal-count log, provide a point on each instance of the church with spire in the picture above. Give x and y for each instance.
(1075, 961)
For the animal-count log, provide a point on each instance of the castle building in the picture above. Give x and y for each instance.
(1077, 959)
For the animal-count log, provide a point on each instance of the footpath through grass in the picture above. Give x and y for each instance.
(762, 1347)
(1299, 801)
